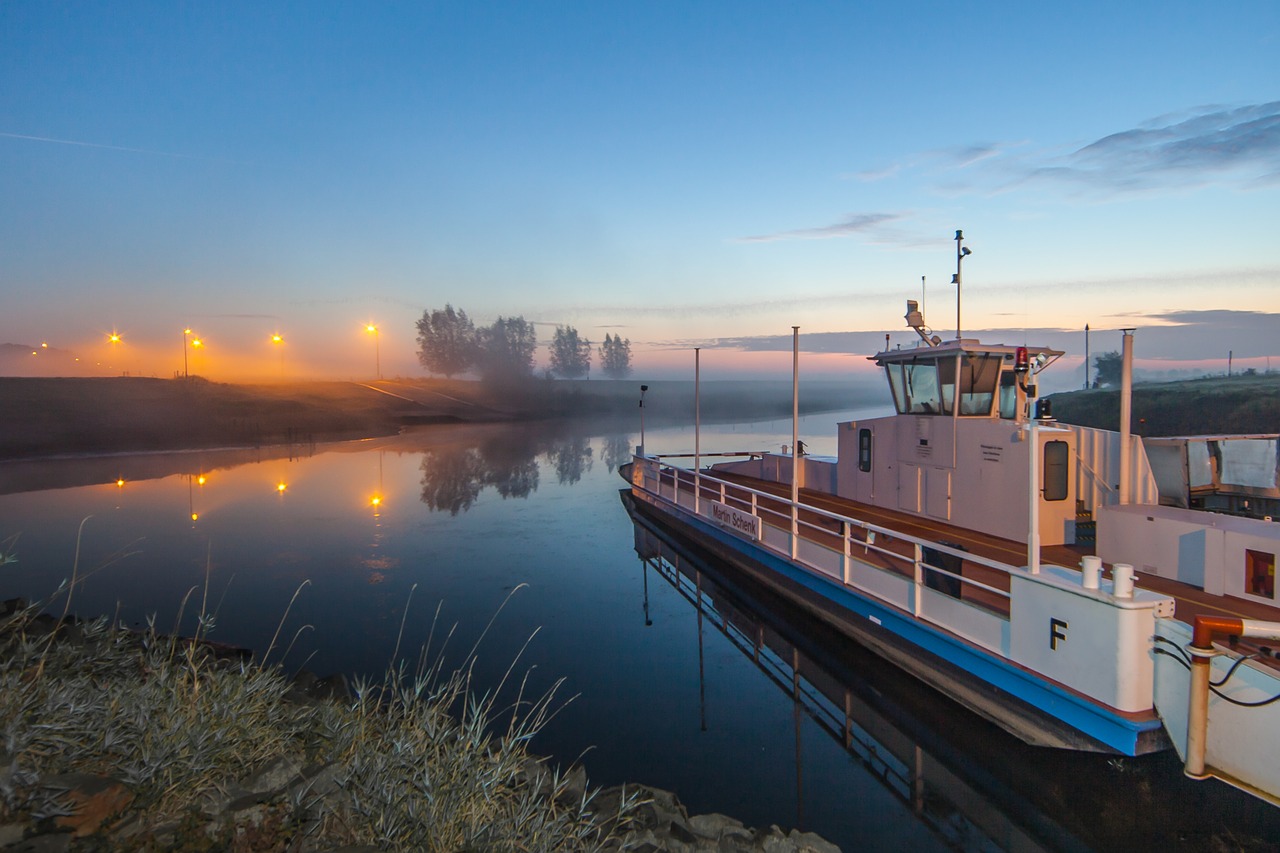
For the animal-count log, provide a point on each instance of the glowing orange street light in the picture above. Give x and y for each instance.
(377, 357)
(120, 483)
(114, 337)
(280, 487)
(278, 340)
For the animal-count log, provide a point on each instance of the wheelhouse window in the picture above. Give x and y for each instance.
(979, 373)
(1008, 395)
(916, 387)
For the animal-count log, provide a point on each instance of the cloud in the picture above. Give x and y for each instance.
(855, 223)
(1177, 336)
(150, 151)
(1214, 143)
(1237, 146)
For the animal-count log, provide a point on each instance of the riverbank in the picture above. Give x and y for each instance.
(126, 741)
(49, 417)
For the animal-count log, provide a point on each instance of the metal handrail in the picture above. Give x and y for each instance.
(843, 519)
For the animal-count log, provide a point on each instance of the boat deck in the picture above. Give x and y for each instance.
(1190, 601)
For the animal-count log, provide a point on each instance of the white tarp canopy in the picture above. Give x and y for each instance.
(1248, 462)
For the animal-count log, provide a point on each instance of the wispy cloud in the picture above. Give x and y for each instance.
(857, 223)
(1229, 145)
(100, 145)
(1240, 144)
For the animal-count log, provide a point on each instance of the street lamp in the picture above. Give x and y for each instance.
(114, 339)
(185, 334)
(377, 357)
(278, 340)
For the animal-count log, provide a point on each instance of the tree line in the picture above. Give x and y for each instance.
(449, 343)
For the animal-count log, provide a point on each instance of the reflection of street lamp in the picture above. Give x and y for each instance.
(377, 357)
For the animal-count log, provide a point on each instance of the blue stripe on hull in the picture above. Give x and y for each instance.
(1097, 721)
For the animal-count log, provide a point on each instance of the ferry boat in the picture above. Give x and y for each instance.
(1083, 589)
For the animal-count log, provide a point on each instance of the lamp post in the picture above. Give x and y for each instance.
(278, 340)
(185, 334)
(643, 388)
(114, 339)
(377, 357)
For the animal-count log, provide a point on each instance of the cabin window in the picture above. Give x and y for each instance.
(1008, 395)
(978, 375)
(864, 450)
(1260, 573)
(947, 383)
(920, 383)
(896, 385)
(1055, 470)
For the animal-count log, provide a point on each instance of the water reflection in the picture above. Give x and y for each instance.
(454, 476)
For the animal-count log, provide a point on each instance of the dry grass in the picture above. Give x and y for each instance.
(417, 761)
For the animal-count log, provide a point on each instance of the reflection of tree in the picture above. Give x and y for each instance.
(572, 458)
(452, 478)
(616, 451)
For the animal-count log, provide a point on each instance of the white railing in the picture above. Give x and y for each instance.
(877, 561)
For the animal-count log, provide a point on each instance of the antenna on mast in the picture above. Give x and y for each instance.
(961, 253)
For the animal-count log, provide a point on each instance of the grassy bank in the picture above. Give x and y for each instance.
(125, 741)
(1213, 405)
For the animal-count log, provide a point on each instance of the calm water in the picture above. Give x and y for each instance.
(522, 526)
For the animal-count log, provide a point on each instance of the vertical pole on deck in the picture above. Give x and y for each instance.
(795, 439)
(1033, 499)
(1126, 410)
(1086, 356)
(697, 426)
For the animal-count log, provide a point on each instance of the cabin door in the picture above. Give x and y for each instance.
(937, 493)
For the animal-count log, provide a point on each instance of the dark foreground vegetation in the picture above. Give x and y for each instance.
(1213, 405)
(125, 741)
(45, 417)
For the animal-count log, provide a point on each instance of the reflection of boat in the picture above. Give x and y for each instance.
(971, 785)
(911, 542)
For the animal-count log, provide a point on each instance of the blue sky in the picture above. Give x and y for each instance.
(680, 173)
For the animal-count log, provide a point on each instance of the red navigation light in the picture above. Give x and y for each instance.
(1020, 363)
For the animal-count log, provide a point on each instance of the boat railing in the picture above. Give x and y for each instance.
(934, 581)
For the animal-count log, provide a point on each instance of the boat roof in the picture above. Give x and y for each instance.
(961, 345)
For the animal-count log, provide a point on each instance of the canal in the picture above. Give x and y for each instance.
(507, 547)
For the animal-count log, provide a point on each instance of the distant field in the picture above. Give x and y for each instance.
(1240, 404)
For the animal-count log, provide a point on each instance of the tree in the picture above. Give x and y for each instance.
(447, 341)
(615, 357)
(506, 349)
(1107, 368)
(570, 354)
